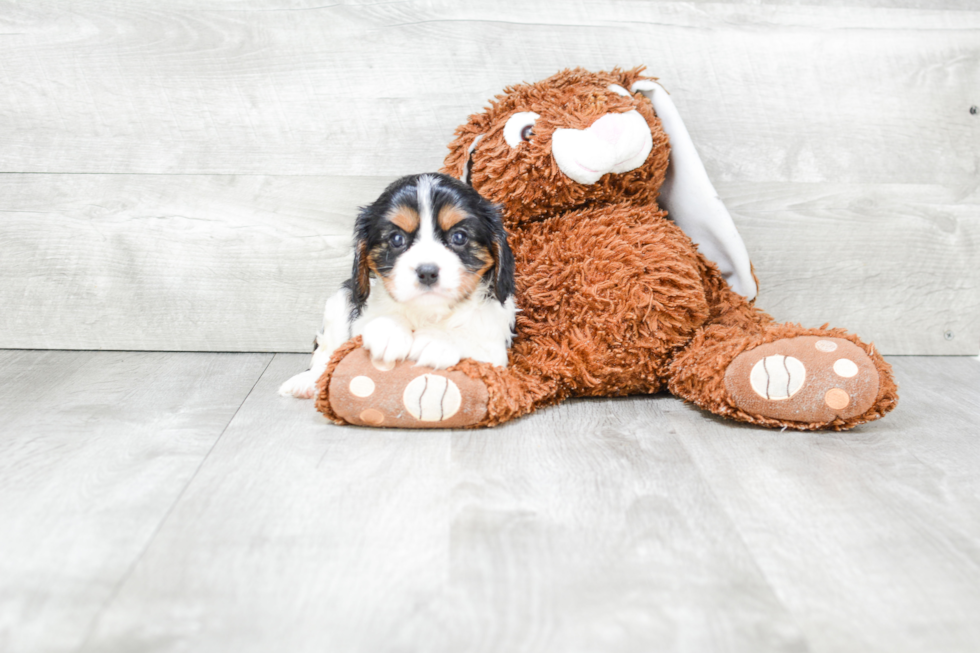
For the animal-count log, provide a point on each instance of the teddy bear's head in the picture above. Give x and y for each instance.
(569, 141)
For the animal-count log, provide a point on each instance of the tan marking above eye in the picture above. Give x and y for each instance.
(449, 216)
(405, 218)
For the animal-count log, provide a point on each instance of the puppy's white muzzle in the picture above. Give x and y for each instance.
(616, 142)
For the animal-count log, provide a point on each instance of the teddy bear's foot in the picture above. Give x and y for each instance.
(403, 395)
(809, 379)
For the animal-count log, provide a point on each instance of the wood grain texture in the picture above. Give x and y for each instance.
(770, 92)
(631, 524)
(226, 145)
(897, 264)
(871, 537)
(586, 528)
(225, 263)
(95, 448)
(245, 263)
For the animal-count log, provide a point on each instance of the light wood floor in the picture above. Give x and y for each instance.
(174, 502)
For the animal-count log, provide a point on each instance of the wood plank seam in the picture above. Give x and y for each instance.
(722, 506)
(90, 631)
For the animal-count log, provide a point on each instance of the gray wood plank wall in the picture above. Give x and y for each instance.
(183, 175)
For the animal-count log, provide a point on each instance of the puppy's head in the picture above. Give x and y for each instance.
(432, 241)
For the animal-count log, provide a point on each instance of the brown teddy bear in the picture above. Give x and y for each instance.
(631, 279)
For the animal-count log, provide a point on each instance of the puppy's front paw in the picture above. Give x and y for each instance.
(301, 386)
(433, 351)
(387, 340)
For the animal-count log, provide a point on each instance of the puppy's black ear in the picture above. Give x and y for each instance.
(503, 274)
(360, 278)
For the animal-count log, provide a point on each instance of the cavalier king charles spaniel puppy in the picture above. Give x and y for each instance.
(433, 282)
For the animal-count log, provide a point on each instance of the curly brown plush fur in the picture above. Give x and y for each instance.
(615, 299)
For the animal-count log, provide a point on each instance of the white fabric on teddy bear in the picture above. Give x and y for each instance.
(692, 201)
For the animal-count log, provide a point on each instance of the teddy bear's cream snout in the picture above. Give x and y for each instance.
(616, 142)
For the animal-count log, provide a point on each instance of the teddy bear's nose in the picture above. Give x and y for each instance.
(616, 143)
(608, 129)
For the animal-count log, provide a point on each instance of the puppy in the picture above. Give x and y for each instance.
(433, 282)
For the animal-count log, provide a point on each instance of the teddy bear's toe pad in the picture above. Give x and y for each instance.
(803, 379)
(403, 395)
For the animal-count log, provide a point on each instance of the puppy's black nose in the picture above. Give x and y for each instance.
(428, 274)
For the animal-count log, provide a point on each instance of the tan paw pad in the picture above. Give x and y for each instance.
(777, 377)
(361, 386)
(803, 379)
(432, 398)
(382, 366)
(373, 417)
(846, 368)
(837, 399)
(403, 395)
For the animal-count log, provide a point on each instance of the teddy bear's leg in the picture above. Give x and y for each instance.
(783, 375)
(355, 389)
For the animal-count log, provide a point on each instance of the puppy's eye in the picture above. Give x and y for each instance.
(519, 128)
(459, 239)
(396, 240)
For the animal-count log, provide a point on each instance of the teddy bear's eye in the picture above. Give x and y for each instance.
(520, 128)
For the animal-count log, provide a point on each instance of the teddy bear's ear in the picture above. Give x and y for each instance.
(691, 200)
